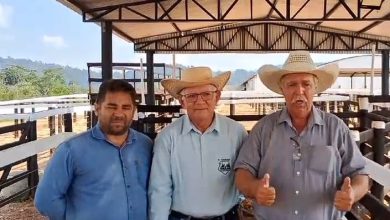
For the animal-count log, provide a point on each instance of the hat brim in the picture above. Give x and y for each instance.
(174, 86)
(270, 75)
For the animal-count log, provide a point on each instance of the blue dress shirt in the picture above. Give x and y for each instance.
(91, 178)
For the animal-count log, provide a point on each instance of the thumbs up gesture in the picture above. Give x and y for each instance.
(344, 198)
(265, 195)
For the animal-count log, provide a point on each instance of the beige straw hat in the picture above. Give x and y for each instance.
(195, 76)
(298, 62)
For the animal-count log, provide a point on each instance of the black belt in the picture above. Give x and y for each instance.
(232, 214)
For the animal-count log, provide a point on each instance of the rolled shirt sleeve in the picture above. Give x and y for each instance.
(249, 155)
(353, 162)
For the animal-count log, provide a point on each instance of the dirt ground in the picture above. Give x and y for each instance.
(26, 209)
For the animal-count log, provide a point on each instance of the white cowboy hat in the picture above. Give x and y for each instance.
(298, 62)
(195, 76)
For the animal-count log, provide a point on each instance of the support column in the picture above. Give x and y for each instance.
(327, 107)
(385, 72)
(379, 151)
(149, 78)
(106, 28)
(363, 114)
(232, 109)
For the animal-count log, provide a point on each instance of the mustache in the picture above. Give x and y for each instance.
(116, 118)
(299, 98)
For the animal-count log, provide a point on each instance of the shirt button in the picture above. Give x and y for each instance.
(298, 173)
(297, 192)
(296, 212)
(128, 186)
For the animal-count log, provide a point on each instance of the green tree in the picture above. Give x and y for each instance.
(4, 93)
(19, 83)
(52, 83)
(15, 74)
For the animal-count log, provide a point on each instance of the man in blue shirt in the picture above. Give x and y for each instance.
(102, 173)
(192, 175)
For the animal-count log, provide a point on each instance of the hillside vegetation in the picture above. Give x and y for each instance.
(17, 82)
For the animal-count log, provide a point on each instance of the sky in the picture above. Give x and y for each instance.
(47, 31)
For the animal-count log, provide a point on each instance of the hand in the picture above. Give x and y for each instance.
(344, 198)
(265, 195)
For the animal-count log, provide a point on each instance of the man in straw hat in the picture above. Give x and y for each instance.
(192, 169)
(300, 162)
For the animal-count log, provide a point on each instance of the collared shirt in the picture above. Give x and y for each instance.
(192, 173)
(305, 184)
(91, 178)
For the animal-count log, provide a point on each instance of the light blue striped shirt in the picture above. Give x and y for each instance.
(192, 173)
(91, 178)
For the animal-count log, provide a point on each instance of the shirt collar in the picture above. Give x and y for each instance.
(188, 126)
(98, 133)
(315, 117)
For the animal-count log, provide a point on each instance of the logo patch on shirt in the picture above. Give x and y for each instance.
(224, 166)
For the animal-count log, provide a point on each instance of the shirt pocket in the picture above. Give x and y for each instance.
(322, 159)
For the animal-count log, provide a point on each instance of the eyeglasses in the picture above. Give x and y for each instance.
(193, 97)
(297, 154)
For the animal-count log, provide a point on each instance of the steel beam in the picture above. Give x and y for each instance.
(385, 72)
(106, 28)
(150, 78)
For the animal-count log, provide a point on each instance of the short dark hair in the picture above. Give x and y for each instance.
(115, 85)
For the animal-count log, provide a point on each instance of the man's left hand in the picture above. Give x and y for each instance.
(344, 198)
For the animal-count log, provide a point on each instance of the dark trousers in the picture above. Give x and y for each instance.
(232, 214)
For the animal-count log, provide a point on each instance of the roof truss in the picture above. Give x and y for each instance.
(263, 37)
(157, 12)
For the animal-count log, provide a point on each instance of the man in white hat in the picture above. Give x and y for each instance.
(192, 169)
(300, 162)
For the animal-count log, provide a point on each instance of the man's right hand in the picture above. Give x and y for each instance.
(265, 195)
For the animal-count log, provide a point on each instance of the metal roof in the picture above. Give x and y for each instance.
(242, 25)
(358, 65)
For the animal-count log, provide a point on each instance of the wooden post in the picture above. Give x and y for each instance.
(379, 151)
(89, 119)
(363, 112)
(74, 117)
(150, 127)
(32, 162)
(94, 118)
(232, 109)
(52, 124)
(16, 121)
(68, 122)
(22, 120)
(59, 125)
